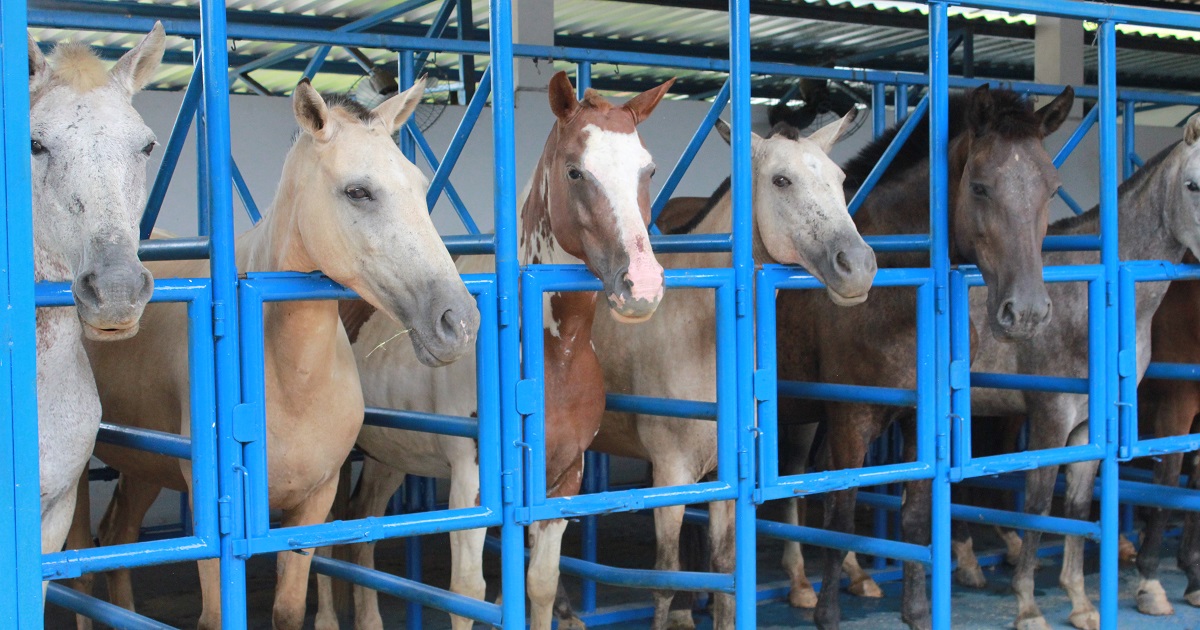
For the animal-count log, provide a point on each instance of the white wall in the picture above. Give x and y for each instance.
(262, 131)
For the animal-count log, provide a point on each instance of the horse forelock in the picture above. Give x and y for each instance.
(356, 110)
(77, 66)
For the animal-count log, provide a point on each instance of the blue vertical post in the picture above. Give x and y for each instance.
(1110, 257)
(901, 105)
(407, 75)
(593, 461)
(583, 78)
(878, 109)
(745, 577)
(215, 59)
(203, 206)
(20, 495)
(512, 544)
(939, 83)
(414, 500)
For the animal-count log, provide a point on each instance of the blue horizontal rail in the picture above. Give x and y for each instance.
(186, 248)
(424, 422)
(1030, 382)
(1174, 371)
(842, 540)
(668, 407)
(409, 590)
(75, 562)
(989, 516)
(820, 482)
(836, 392)
(169, 444)
(100, 610)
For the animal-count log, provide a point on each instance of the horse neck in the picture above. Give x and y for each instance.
(573, 311)
(719, 220)
(300, 334)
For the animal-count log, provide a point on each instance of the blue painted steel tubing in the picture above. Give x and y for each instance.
(671, 408)
(989, 516)
(168, 444)
(100, 610)
(422, 421)
(409, 590)
(839, 540)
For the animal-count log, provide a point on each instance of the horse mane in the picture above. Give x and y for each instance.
(350, 106)
(1012, 117)
(595, 100)
(1138, 178)
(76, 65)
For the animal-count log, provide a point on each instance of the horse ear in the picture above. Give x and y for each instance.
(980, 107)
(1055, 112)
(1191, 132)
(39, 70)
(827, 136)
(396, 110)
(137, 67)
(311, 111)
(727, 134)
(642, 105)
(562, 96)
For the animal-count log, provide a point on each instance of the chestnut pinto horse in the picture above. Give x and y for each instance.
(89, 149)
(588, 201)
(799, 218)
(348, 204)
(1001, 182)
(1169, 408)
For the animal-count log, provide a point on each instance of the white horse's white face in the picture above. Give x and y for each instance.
(89, 149)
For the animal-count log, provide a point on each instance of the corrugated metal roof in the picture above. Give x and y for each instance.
(783, 34)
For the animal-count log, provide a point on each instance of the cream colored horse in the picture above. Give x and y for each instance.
(89, 150)
(799, 218)
(588, 201)
(348, 204)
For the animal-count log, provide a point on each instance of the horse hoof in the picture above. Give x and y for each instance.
(1193, 598)
(866, 587)
(971, 578)
(679, 620)
(572, 623)
(807, 597)
(1152, 599)
(1032, 623)
(1126, 552)
(1086, 620)
(326, 623)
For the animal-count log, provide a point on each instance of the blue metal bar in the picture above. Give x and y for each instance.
(878, 110)
(169, 444)
(166, 168)
(837, 392)
(215, 62)
(689, 154)
(387, 15)
(1129, 122)
(441, 176)
(1070, 201)
(414, 612)
(885, 160)
(583, 79)
(900, 112)
(20, 500)
(1030, 382)
(409, 590)
(840, 540)
(204, 207)
(422, 421)
(789, 486)
(318, 60)
(512, 558)
(243, 192)
(73, 563)
(436, 28)
(187, 248)
(630, 499)
(989, 516)
(1077, 136)
(671, 408)
(99, 610)
(459, 207)
(589, 536)
(1174, 371)
(468, 244)
(671, 243)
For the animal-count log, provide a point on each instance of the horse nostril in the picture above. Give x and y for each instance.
(842, 262)
(147, 286)
(625, 282)
(452, 326)
(1007, 315)
(85, 289)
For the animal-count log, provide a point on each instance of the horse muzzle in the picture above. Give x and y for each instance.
(633, 298)
(1021, 319)
(110, 299)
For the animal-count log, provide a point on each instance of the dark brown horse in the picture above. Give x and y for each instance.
(1170, 408)
(1001, 181)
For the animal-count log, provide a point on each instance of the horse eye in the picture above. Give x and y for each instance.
(574, 173)
(37, 148)
(149, 148)
(979, 190)
(358, 193)
(781, 182)
(1193, 186)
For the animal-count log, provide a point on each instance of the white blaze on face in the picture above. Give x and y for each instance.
(616, 161)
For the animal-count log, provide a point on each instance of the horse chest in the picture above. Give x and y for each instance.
(574, 398)
(68, 405)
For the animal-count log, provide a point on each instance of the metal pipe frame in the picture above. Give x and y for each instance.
(516, 494)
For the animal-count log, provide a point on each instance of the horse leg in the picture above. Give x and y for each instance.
(968, 573)
(541, 581)
(1012, 544)
(861, 582)
(80, 537)
(1039, 491)
(915, 523)
(794, 461)
(667, 524)
(1189, 544)
(724, 555)
(1081, 478)
(291, 587)
(1151, 598)
(122, 524)
(466, 546)
(849, 430)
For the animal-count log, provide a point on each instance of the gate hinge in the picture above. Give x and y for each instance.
(508, 493)
(744, 464)
(247, 423)
(224, 515)
(940, 299)
(740, 300)
(529, 396)
(218, 318)
(765, 385)
(960, 374)
(1127, 363)
(505, 309)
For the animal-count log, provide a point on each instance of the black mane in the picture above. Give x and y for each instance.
(1012, 117)
(1138, 177)
(712, 202)
(351, 106)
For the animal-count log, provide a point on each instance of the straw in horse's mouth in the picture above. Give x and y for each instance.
(387, 341)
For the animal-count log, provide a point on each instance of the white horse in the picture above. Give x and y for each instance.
(348, 204)
(89, 152)
(588, 201)
(800, 218)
